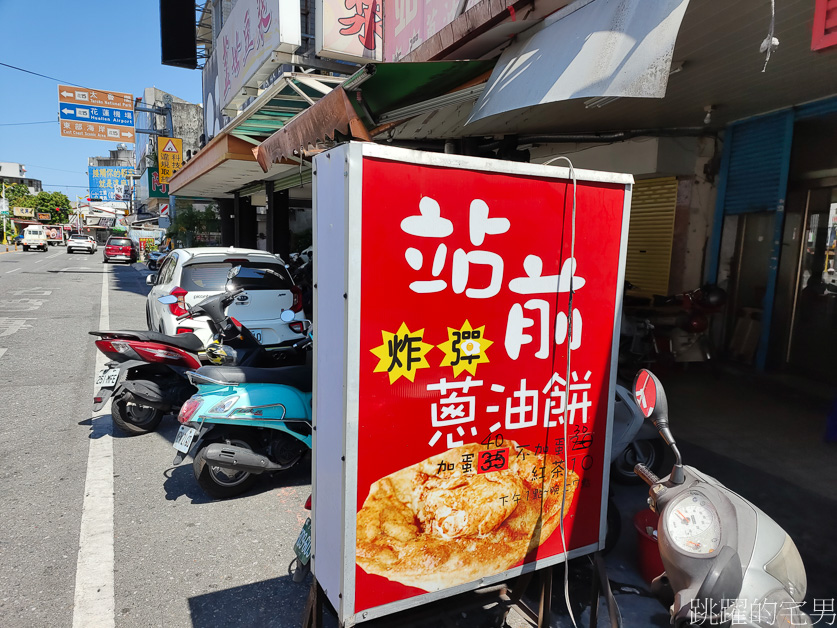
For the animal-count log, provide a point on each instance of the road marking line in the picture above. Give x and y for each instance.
(54, 255)
(2, 351)
(94, 594)
(12, 271)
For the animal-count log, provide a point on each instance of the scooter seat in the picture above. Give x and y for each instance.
(300, 377)
(188, 342)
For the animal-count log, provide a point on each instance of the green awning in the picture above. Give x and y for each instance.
(291, 94)
(388, 86)
(377, 93)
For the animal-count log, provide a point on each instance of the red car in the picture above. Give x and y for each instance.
(120, 248)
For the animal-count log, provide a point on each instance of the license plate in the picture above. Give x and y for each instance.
(184, 437)
(107, 377)
(302, 547)
(257, 333)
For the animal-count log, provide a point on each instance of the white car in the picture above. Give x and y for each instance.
(192, 275)
(81, 242)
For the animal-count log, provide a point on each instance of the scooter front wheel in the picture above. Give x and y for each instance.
(134, 419)
(218, 482)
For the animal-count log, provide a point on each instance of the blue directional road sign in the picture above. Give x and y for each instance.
(99, 115)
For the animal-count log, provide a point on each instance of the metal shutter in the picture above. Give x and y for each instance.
(756, 177)
(650, 234)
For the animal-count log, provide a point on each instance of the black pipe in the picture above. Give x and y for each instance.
(609, 136)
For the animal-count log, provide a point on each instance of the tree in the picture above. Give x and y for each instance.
(189, 222)
(55, 203)
(18, 195)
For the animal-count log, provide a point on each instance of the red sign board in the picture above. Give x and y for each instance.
(479, 444)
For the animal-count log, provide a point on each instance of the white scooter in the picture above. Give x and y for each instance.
(726, 562)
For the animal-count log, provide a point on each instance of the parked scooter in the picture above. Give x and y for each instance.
(723, 557)
(300, 566)
(673, 328)
(147, 373)
(243, 422)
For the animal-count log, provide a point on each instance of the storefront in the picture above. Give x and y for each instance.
(774, 236)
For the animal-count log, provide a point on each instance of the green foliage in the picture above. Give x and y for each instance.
(18, 195)
(55, 203)
(301, 241)
(188, 223)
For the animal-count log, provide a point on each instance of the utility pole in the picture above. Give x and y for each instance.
(5, 210)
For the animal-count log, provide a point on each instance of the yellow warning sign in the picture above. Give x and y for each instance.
(169, 156)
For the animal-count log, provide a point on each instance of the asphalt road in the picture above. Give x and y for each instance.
(99, 529)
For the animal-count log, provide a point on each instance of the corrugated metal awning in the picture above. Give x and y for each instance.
(227, 162)
(363, 101)
(594, 49)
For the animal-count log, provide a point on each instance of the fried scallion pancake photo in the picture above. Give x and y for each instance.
(433, 526)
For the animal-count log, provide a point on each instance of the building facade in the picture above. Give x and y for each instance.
(12, 173)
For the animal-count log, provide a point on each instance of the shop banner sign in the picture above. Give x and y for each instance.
(351, 30)
(456, 442)
(251, 32)
(156, 188)
(24, 212)
(42, 216)
(410, 23)
(108, 183)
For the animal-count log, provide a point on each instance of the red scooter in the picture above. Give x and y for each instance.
(673, 328)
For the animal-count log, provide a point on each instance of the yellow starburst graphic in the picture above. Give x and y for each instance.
(465, 348)
(402, 353)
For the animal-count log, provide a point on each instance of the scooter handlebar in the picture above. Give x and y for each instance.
(646, 474)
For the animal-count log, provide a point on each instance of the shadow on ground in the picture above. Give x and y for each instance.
(130, 278)
(180, 480)
(274, 603)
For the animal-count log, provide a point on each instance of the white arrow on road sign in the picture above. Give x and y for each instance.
(125, 134)
(66, 94)
(68, 110)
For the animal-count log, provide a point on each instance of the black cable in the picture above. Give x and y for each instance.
(22, 123)
(14, 67)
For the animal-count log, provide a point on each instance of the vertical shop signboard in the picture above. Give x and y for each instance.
(169, 157)
(464, 446)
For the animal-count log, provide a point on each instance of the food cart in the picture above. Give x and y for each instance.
(465, 354)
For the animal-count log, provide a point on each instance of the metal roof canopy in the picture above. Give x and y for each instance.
(227, 163)
(288, 96)
(368, 97)
(719, 64)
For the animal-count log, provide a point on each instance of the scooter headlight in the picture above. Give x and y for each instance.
(224, 406)
(787, 568)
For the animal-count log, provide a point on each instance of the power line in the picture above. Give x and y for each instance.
(14, 67)
(58, 169)
(22, 123)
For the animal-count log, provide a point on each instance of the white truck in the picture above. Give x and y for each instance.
(35, 237)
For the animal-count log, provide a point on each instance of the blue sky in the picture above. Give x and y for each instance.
(103, 45)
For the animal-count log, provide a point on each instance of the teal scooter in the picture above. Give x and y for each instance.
(245, 421)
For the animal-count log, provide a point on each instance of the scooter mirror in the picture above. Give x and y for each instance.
(652, 402)
(233, 271)
(168, 299)
(651, 398)
(287, 315)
